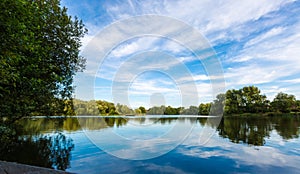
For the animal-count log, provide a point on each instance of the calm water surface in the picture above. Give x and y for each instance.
(238, 145)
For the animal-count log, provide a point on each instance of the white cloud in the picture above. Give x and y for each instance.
(267, 48)
(246, 155)
(125, 50)
(269, 34)
(296, 80)
(221, 14)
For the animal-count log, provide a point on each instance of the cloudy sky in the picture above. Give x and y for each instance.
(255, 42)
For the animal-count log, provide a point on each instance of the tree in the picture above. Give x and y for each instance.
(39, 57)
(192, 110)
(124, 110)
(142, 109)
(106, 108)
(252, 100)
(204, 109)
(156, 110)
(298, 106)
(217, 107)
(137, 111)
(233, 103)
(171, 111)
(248, 99)
(284, 102)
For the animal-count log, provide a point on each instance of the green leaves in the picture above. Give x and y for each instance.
(39, 57)
(284, 102)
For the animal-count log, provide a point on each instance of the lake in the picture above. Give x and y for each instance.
(159, 144)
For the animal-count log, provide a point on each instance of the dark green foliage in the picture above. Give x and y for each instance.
(204, 109)
(284, 103)
(39, 55)
(245, 100)
(106, 108)
(142, 109)
(172, 111)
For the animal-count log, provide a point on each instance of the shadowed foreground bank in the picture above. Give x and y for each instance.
(9, 167)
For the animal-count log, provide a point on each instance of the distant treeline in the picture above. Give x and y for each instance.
(245, 100)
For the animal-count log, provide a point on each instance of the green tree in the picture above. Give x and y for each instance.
(248, 99)
(297, 106)
(124, 110)
(106, 108)
(204, 109)
(217, 107)
(171, 111)
(143, 110)
(192, 110)
(39, 57)
(252, 100)
(137, 111)
(233, 103)
(156, 110)
(283, 102)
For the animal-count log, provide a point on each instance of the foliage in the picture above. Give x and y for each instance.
(242, 101)
(106, 108)
(156, 110)
(124, 110)
(217, 107)
(39, 57)
(284, 102)
(245, 100)
(204, 109)
(192, 110)
(172, 111)
(85, 107)
(142, 109)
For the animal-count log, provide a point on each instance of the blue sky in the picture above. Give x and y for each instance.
(256, 42)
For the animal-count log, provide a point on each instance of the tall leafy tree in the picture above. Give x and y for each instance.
(247, 99)
(142, 109)
(172, 111)
(39, 55)
(233, 103)
(106, 108)
(284, 102)
(252, 100)
(204, 109)
(217, 107)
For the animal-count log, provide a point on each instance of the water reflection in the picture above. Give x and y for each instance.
(40, 143)
(52, 151)
(287, 127)
(254, 130)
(249, 130)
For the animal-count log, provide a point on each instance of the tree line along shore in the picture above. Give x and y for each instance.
(245, 101)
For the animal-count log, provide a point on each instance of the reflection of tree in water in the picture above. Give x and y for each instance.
(52, 151)
(118, 121)
(41, 125)
(246, 130)
(287, 126)
(167, 120)
(254, 130)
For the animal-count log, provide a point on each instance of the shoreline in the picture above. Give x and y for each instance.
(13, 167)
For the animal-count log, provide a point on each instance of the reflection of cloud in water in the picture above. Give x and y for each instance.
(262, 156)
